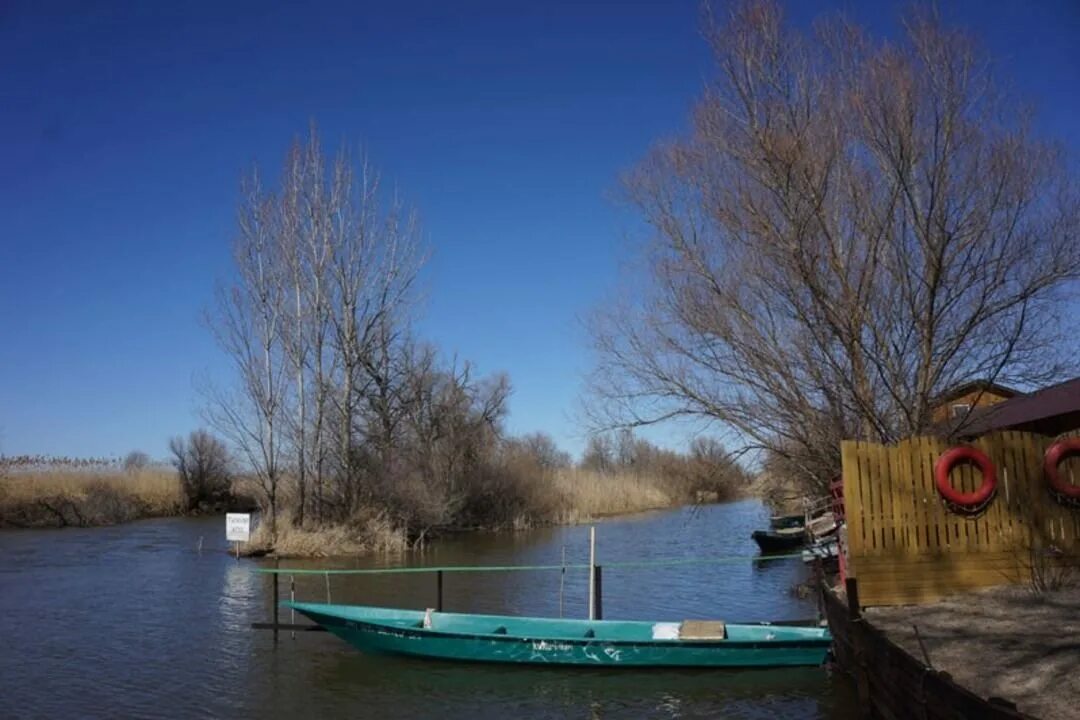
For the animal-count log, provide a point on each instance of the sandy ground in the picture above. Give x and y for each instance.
(1006, 642)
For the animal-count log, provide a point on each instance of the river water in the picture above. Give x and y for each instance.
(133, 621)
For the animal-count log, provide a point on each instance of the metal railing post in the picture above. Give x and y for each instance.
(599, 592)
(275, 605)
(592, 573)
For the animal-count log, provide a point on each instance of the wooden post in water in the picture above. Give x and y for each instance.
(277, 564)
(599, 592)
(562, 580)
(851, 589)
(858, 646)
(592, 572)
(438, 590)
(292, 598)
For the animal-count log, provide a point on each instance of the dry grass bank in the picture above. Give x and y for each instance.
(60, 497)
(1003, 642)
(554, 497)
(373, 533)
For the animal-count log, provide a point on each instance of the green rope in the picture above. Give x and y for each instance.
(731, 559)
(390, 571)
(516, 568)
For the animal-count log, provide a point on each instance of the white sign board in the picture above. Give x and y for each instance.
(238, 527)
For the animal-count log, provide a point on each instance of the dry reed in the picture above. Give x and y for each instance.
(586, 494)
(95, 496)
(373, 533)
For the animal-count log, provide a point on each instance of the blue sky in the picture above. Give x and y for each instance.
(125, 128)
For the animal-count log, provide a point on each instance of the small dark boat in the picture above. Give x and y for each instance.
(776, 541)
(783, 522)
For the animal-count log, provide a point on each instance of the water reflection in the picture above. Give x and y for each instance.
(501, 691)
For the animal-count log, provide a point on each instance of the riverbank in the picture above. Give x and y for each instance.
(1002, 642)
(567, 496)
(100, 496)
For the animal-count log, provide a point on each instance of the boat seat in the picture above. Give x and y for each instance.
(590, 633)
(501, 630)
(702, 630)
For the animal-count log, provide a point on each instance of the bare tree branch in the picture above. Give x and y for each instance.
(850, 229)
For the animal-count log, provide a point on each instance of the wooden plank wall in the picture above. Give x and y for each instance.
(906, 546)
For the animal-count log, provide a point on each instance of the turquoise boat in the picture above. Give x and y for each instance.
(550, 641)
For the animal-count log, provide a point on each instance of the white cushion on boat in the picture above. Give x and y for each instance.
(665, 631)
(703, 630)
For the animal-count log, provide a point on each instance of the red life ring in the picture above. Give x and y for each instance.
(944, 466)
(1054, 455)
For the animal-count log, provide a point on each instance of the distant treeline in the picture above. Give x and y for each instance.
(33, 462)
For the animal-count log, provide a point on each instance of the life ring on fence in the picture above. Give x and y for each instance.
(1054, 455)
(949, 460)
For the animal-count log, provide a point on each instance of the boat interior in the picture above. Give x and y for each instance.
(566, 629)
(791, 531)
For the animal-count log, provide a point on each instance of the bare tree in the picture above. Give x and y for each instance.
(135, 461)
(202, 461)
(316, 323)
(372, 269)
(710, 467)
(451, 429)
(296, 325)
(599, 455)
(314, 256)
(850, 229)
(543, 449)
(450, 416)
(305, 250)
(248, 325)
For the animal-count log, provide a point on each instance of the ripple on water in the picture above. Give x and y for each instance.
(131, 621)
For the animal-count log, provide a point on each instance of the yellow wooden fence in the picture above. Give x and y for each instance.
(906, 546)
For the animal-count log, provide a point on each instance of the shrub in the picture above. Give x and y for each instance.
(204, 468)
